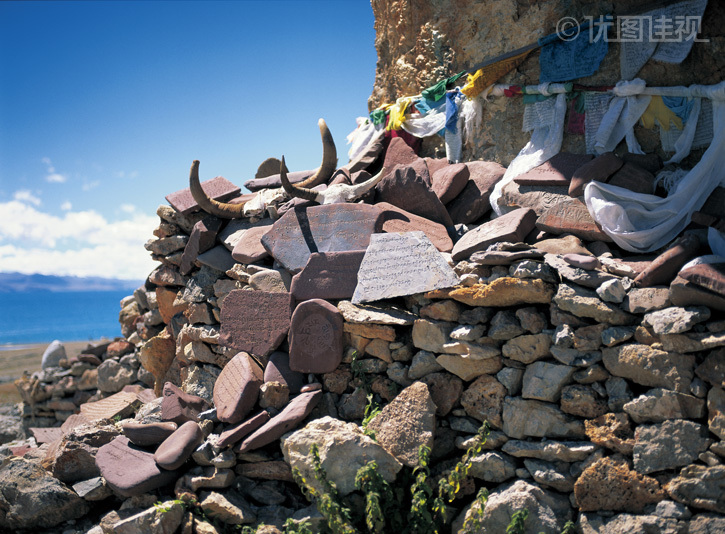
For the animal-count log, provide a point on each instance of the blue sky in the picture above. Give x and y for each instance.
(104, 105)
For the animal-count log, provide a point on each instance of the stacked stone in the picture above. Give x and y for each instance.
(53, 394)
(600, 374)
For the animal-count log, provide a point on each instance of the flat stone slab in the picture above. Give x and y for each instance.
(666, 266)
(396, 220)
(511, 227)
(179, 407)
(557, 171)
(599, 169)
(249, 248)
(146, 434)
(255, 321)
(327, 228)
(315, 337)
(473, 202)
(235, 229)
(372, 314)
(401, 264)
(239, 431)
(130, 470)
(119, 404)
(708, 275)
(237, 388)
(217, 258)
(202, 238)
(178, 447)
(448, 182)
(571, 216)
(278, 370)
(292, 415)
(328, 275)
(408, 187)
(634, 178)
(218, 188)
(46, 435)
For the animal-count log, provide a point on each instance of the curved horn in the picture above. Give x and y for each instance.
(360, 189)
(329, 159)
(222, 210)
(295, 191)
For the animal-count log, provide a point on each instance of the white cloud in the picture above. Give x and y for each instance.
(24, 195)
(124, 174)
(90, 185)
(66, 206)
(80, 243)
(128, 208)
(52, 176)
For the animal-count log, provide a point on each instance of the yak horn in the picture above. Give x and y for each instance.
(329, 159)
(222, 210)
(295, 191)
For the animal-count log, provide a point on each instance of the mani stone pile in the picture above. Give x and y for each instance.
(601, 374)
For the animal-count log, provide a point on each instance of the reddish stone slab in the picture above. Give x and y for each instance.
(649, 162)
(399, 153)
(180, 407)
(473, 202)
(315, 337)
(177, 448)
(237, 388)
(202, 238)
(328, 275)
(448, 182)
(708, 275)
(436, 164)
(328, 228)
(238, 432)
(146, 434)
(399, 220)
(634, 178)
(46, 435)
(407, 186)
(292, 415)
(120, 404)
(599, 169)
(130, 470)
(74, 421)
(275, 181)
(511, 227)
(713, 206)
(255, 321)
(218, 188)
(249, 248)
(557, 171)
(278, 370)
(571, 216)
(665, 267)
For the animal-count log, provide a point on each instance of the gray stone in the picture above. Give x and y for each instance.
(512, 379)
(532, 418)
(549, 450)
(343, 450)
(716, 412)
(424, 362)
(407, 423)
(555, 475)
(53, 354)
(492, 467)
(483, 400)
(668, 445)
(166, 517)
(618, 393)
(504, 326)
(676, 320)
(543, 381)
(658, 405)
(612, 291)
(615, 335)
(585, 303)
(374, 314)
(647, 299)
(701, 487)
(431, 335)
(649, 366)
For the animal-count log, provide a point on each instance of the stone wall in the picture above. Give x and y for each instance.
(420, 42)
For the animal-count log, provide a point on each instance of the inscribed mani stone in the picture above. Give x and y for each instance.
(315, 344)
(557, 171)
(327, 228)
(129, 470)
(255, 321)
(328, 275)
(401, 264)
(237, 388)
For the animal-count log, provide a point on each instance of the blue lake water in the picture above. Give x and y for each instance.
(42, 316)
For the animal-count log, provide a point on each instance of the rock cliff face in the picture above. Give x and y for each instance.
(420, 42)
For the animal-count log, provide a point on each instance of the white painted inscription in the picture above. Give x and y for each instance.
(399, 264)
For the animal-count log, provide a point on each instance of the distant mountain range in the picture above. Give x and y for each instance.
(17, 283)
